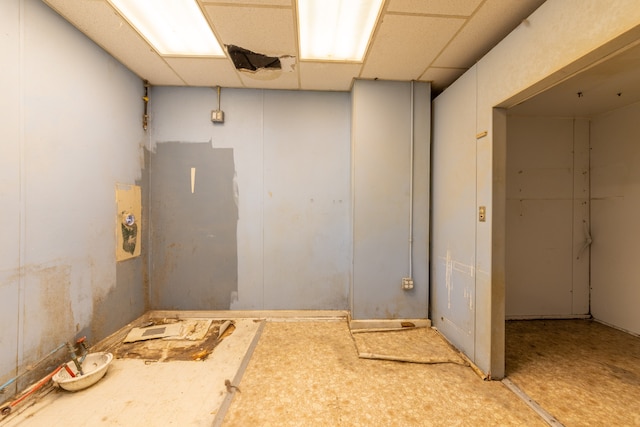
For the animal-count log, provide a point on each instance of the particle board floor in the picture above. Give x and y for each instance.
(309, 374)
(580, 371)
(417, 345)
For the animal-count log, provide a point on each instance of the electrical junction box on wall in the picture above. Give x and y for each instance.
(217, 116)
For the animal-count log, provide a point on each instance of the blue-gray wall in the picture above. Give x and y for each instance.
(390, 130)
(69, 130)
(268, 223)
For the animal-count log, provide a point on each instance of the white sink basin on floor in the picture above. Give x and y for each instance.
(95, 366)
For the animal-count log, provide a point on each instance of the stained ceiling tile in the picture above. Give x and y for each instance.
(435, 7)
(268, 79)
(269, 31)
(328, 76)
(406, 45)
(493, 21)
(206, 71)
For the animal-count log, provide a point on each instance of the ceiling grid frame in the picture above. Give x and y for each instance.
(482, 22)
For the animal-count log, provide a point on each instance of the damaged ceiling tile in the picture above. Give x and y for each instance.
(246, 60)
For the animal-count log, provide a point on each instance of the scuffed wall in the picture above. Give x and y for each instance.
(390, 175)
(267, 226)
(453, 252)
(70, 126)
(560, 38)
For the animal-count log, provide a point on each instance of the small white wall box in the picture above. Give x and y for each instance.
(217, 116)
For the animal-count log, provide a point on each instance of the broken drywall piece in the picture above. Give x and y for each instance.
(224, 327)
(128, 223)
(194, 329)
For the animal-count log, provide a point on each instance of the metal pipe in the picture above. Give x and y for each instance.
(74, 358)
(6, 410)
(12, 380)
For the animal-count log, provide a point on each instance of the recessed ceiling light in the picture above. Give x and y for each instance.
(336, 29)
(172, 27)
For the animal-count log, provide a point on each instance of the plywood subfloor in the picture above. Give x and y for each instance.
(416, 345)
(309, 374)
(580, 371)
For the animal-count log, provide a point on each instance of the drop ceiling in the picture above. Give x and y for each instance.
(422, 40)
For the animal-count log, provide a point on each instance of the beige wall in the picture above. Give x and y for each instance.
(615, 202)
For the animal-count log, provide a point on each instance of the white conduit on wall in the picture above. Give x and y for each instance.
(411, 149)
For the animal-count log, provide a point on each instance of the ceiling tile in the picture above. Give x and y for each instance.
(493, 21)
(604, 87)
(328, 76)
(206, 71)
(249, 2)
(435, 7)
(412, 36)
(406, 45)
(268, 79)
(105, 27)
(441, 77)
(269, 31)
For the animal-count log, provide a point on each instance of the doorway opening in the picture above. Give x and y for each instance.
(572, 189)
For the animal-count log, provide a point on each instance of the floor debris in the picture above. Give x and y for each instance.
(174, 339)
(413, 345)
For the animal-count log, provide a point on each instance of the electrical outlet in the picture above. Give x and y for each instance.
(407, 283)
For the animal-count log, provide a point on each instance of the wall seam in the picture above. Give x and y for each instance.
(475, 222)
(589, 212)
(22, 191)
(262, 193)
(573, 213)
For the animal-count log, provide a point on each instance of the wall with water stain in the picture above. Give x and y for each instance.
(265, 221)
(70, 130)
(453, 249)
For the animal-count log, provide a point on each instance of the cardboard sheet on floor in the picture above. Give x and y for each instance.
(416, 345)
(194, 330)
(154, 332)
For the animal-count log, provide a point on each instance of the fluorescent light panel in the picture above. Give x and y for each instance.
(173, 27)
(336, 29)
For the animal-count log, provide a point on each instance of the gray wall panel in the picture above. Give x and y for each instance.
(381, 176)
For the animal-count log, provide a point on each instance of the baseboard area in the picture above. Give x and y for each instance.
(387, 324)
(548, 317)
(251, 314)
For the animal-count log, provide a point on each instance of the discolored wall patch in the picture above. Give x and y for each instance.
(193, 217)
